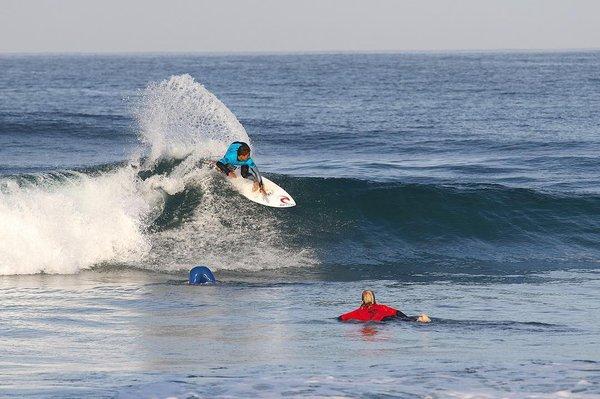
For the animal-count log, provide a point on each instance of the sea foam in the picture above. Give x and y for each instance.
(60, 225)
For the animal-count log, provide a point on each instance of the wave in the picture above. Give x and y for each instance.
(377, 223)
(181, 212)
(166, 209)
(356, 222)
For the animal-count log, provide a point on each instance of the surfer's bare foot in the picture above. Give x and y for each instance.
(231, 174)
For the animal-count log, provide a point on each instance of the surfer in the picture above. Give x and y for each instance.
(370, 310)
(238, 154)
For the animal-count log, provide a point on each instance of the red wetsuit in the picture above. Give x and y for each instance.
(374, 312)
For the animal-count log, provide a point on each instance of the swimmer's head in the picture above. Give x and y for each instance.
(368, 298)
(243, 152)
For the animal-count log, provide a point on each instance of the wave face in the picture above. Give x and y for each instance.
(361, 222)
(348, 222)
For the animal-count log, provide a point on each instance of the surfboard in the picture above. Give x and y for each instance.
(276, 196)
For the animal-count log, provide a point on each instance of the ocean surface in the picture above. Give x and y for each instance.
(462, 185)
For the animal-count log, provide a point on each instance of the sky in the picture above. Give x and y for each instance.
(296, 25)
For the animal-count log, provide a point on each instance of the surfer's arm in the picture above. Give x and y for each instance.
(256, 173)
(422, 318)
(253, 169)
(390, 313)
(395, 313)
(356, 314)
(401, 315)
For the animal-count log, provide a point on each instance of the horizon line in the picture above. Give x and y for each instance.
(304, 52)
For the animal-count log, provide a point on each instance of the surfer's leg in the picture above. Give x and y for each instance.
(225, 168)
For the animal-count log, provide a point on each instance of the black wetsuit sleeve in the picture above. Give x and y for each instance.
(404, 317)
(222, 167)
(401, 315)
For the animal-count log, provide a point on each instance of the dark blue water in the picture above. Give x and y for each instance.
(462, 185)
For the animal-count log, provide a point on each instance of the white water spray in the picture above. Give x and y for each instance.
(179, 117)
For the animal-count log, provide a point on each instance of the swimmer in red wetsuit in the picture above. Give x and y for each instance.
(370, 310)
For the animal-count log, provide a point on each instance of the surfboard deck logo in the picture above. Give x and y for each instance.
(276, 196)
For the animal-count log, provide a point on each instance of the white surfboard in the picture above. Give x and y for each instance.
(276, 196)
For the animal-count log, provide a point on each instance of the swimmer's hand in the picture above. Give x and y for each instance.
(423, 318)
(231, 174)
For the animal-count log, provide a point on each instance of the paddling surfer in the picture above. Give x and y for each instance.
(370, 310)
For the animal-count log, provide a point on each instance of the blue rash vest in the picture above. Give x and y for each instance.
(230, 162)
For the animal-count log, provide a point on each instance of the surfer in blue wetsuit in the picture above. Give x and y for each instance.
(238, 154)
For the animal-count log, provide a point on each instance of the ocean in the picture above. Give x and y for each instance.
(462, 185)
